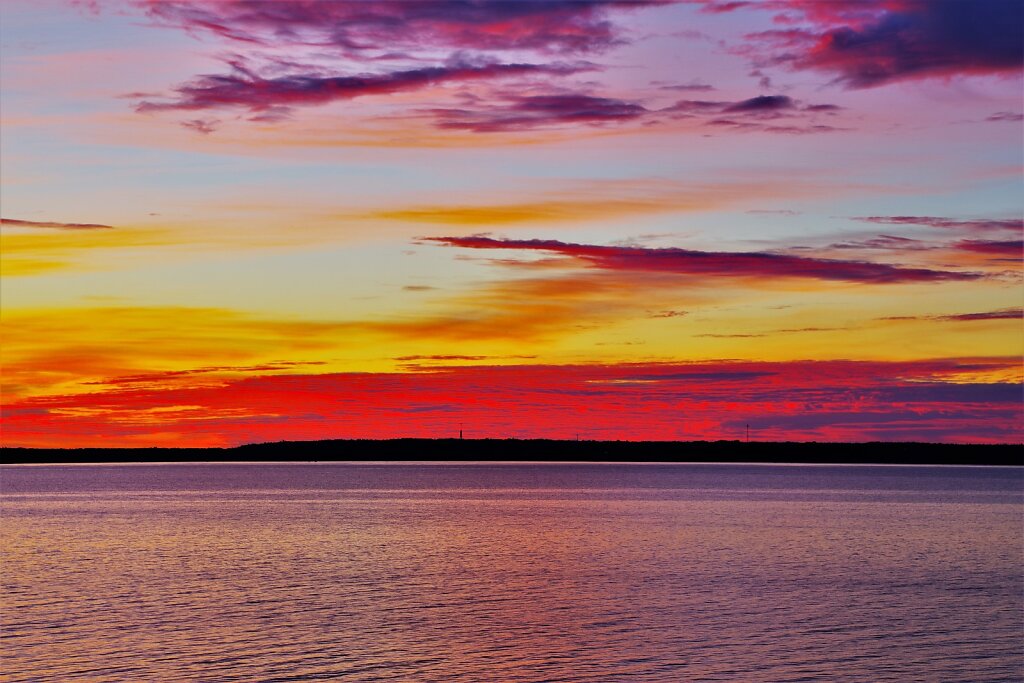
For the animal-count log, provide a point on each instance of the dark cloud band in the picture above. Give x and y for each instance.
(711, 263)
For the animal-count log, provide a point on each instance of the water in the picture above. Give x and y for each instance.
(511, 573)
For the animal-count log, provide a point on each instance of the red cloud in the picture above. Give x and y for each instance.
(356, 26)
(800, 400)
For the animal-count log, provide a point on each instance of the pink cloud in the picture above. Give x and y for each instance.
(357, 27)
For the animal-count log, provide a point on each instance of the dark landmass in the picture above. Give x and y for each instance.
(544, 450)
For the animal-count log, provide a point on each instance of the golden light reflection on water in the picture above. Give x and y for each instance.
(672, 580)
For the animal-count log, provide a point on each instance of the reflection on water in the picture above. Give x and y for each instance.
(511, 573)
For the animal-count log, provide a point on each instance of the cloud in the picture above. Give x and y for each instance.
(1002, 314)
(247, 90)
(700, 376)
(450, 357)
(723, 6)
(204, 126)
(884, 242)
(931, 400)
(63, 347)
(697, 106)
(15, 223)
(509, 113)
(762, 107)
(811, 329)
(971, 225)
(596, 201)
(386, 26)
(762, 103)
(39, 251)
(1007, 116)
(757, 114)
(420, 44)
(692, 86)
(535, 111)
(473, 32)
(734, 125)
(170, 377)
(865, 45)
(716, 335)
(1007, 248)
(716, 264)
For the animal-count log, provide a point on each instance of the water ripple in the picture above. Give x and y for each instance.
(802, 581)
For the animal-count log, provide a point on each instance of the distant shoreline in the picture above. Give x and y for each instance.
(543, 450)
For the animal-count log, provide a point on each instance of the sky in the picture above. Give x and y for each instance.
(237, 221)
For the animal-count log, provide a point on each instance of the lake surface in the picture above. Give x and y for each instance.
(304, 572)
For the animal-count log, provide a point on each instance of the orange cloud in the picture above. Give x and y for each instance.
(39, 252)
(73, 348)
(601, 200)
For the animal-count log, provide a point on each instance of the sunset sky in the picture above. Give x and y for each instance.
(238, 221)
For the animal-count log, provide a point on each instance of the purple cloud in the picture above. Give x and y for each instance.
(1007, 248)
(693, 86)
(204, 126)
(762, 103)
(884, 242)
(53, 224)
(539, 111)
(869, 44)
(1002, 314)
(719, 264)
(756, 114)
(1006, 116)
(357, 27)
(970, 225)
(247, 90)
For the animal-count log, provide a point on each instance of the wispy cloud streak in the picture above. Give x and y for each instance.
(964, 225)
(250, 91)
(1005, 248)
(536, 111)
(15, 223)
(1001, 314)
(721, 264)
